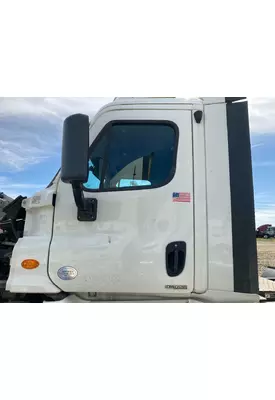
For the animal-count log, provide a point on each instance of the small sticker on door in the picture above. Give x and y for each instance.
(181, 197)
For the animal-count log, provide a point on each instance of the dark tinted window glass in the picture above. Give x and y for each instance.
(133, 154)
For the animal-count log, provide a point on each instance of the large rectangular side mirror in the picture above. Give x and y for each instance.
(75, 149)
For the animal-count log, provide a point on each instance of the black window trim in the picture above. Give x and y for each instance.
(53, 179)
(105, 131)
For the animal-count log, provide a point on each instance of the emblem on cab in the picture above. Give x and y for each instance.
(67, 273)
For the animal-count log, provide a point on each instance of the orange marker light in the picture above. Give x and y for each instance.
(30, 264)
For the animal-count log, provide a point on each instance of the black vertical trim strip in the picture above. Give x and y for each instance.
(242, 199)
(231, 99)
(54, 200)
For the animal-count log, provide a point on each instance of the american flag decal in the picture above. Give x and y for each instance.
(181, 197)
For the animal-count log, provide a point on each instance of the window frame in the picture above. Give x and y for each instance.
(106, 131)
(53, 179)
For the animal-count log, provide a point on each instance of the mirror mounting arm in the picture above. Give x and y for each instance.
(86, 208)
(78, 195)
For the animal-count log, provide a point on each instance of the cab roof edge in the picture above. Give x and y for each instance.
(227, 99)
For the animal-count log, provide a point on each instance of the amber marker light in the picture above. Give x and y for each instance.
(30, 264)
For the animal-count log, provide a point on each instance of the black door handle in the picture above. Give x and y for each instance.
(175, 258)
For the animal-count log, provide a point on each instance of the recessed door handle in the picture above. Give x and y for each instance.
(175, 258)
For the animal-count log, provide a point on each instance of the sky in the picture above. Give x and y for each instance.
(31, 134)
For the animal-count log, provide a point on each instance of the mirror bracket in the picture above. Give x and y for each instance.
(86, 208)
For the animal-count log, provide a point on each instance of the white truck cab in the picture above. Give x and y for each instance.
(151, 203)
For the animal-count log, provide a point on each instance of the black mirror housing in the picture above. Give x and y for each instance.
(75, 149)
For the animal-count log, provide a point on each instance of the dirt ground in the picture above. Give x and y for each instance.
(266, 254)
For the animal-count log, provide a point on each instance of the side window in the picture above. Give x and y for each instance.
(131, 155)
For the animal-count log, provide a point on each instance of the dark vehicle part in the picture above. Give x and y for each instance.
(12, 220)
(259, 234)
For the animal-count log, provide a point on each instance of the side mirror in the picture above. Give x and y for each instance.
(74, 165)
(75, 149)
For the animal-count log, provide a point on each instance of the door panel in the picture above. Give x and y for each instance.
(124, 250)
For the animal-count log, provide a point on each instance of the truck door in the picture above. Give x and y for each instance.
(141, 173)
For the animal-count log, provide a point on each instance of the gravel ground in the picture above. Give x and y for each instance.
(266, 254)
